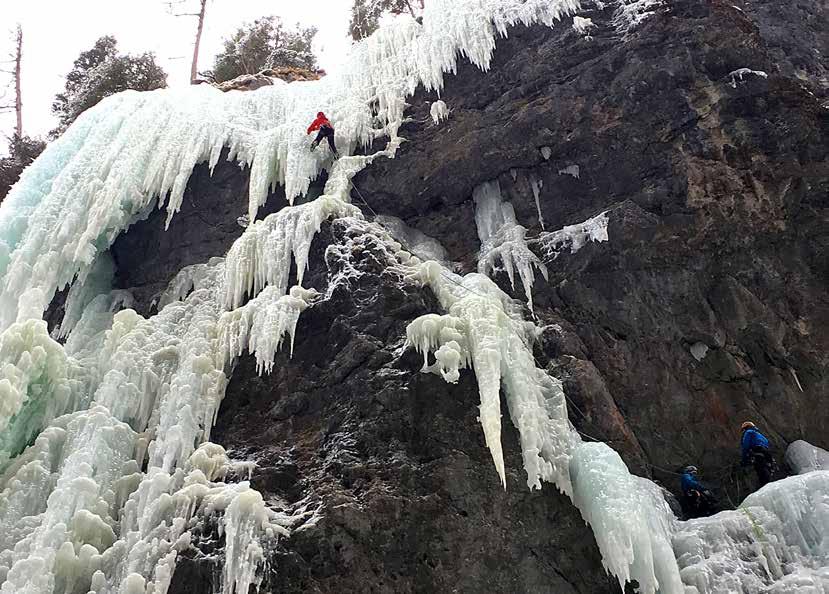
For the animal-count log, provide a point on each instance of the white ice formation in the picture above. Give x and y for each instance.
(439, 111)
(741, 73)
(631, 13)
(571, 170)
(582, 26)
(120, 467)
(572, 237)
(536, 185)
(503, 240)
(415, 241)
(777, 541)
(803, 457)
(106, 464)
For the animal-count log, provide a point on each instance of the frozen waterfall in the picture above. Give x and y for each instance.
(105, 455)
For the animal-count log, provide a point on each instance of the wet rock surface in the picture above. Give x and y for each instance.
(709, 304)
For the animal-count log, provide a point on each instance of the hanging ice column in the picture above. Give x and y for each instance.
(503, 239)
(483, 329)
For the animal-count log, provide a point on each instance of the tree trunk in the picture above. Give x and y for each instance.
(18, 102)
(194, 66)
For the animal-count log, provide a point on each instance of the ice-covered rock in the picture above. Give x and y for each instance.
(439, 111)
(741, 73)
(802, 457)
(573, 237)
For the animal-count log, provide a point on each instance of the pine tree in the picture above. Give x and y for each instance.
(265, 43)
(101, 72)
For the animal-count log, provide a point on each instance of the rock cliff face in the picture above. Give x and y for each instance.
(708, 305)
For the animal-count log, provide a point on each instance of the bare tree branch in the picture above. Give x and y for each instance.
(171, 4)
(18, 97)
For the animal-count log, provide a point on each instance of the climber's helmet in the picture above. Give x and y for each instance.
(747, 425)
(690, 470)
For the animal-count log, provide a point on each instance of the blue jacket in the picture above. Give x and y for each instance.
(752, 439)
(690, 483)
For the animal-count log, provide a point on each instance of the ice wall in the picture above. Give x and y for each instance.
(78, 512)
(776, 541)
(121, 468)
(134, 151)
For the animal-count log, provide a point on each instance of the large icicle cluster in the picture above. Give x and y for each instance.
(503, 240)
(121, 468)
(484, 328)
(136, 149)
(105, 460)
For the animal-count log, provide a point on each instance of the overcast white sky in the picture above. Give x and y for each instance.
(56, 31)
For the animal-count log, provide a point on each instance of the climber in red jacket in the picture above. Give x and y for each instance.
(326, 130)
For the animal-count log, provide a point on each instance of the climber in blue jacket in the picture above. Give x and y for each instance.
(697, 499)
(755, 450)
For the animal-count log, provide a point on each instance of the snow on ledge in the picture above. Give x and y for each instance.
(734, 75)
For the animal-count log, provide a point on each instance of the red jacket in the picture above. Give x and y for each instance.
(319, 123)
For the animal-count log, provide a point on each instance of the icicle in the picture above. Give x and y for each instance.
(536, 185)
(489, 335)
(503, 239)
(261, 325)
(263, 255)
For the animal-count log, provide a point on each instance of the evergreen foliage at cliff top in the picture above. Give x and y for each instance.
(100, 72)
(264, 43)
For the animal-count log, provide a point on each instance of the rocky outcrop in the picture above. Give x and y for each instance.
(708, 304)
(265, 78)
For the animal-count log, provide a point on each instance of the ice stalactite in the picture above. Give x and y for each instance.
(263, 255)
(629, 516)
(503, 240)
(536, 185)
(262, 323)
(135, 150)
(483, 328)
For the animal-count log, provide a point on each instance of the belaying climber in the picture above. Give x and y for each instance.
(755, 451)
(697, 499)
(326, 130)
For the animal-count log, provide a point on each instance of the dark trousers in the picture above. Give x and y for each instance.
(699, 505)
(327, 133)
(763, 464)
